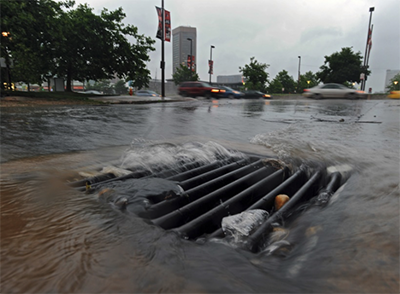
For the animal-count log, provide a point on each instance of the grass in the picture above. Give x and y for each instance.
(52, 96)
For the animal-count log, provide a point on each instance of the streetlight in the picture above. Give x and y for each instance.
(395, 84)
(191, 56)
(365, 67)
(299, 69)
(210, 63)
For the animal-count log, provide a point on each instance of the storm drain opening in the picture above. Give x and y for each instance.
(244, 198)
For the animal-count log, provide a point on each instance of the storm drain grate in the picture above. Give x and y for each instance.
(209, 193)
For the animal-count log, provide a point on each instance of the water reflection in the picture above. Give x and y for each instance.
(253, 108)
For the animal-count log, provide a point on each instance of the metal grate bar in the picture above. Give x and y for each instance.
(267, 201)
(212, 174)
(255, 238)
(193, 209)
(167, 206)
(212, 218)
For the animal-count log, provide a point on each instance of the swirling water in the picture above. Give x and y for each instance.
(57, 239)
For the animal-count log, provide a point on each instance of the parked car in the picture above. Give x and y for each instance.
(394, 94)
(332, 91)
(147, 93)
(194, 89)
(226, 92)
(89, 92)
(256, 94)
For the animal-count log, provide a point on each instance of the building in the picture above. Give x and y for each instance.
(181, 47)
(233, 81)
(389, 76)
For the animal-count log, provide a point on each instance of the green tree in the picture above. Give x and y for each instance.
(96, 47)
(282, 81)
(308, 80)
(183, 74)
(255, 74)
(34, 36)
(54, 38)
(275, 87)
(341, 67)
(30, 34)
(394, 83)
(120, 87)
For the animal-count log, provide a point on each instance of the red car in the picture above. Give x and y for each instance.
(194, 89)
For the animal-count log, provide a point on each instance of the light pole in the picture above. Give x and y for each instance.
(191, 56)
(298, 80)
(210, 65)
(162, 51)
(369, 32)
(395, 84)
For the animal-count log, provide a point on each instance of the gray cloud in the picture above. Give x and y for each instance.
(313, 36)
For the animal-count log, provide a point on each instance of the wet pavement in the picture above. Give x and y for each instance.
(57, 239)
(127, 99)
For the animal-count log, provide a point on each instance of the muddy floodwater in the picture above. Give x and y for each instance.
(57, 239)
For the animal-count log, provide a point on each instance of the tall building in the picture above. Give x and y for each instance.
(181, 47)
(389, 76)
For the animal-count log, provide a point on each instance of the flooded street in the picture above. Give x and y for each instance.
(58, 239)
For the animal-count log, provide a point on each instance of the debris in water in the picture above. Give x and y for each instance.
(240, 226)
(281, 200)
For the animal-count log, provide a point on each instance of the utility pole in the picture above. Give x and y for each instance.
(211, 63)
(298, 78)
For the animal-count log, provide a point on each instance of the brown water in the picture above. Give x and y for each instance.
(56, 239)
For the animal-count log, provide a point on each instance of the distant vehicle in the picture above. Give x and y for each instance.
(194, 89)
(256, 94)
(332, 91)
(147, 93)
(226, 92)
(394, 95)
(91, 92)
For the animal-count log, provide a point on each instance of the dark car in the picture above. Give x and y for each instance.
(194, 89)
(147, 93)
(226, 92)
(256, 94)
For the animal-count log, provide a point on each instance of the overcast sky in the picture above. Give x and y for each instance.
(275, 32)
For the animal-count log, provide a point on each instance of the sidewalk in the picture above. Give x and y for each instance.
(127, 99)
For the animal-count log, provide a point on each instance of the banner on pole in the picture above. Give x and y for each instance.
(167, 26)
(191, 62)
(369, 44)
(370, 39)
(210, 67)
(159, 30)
